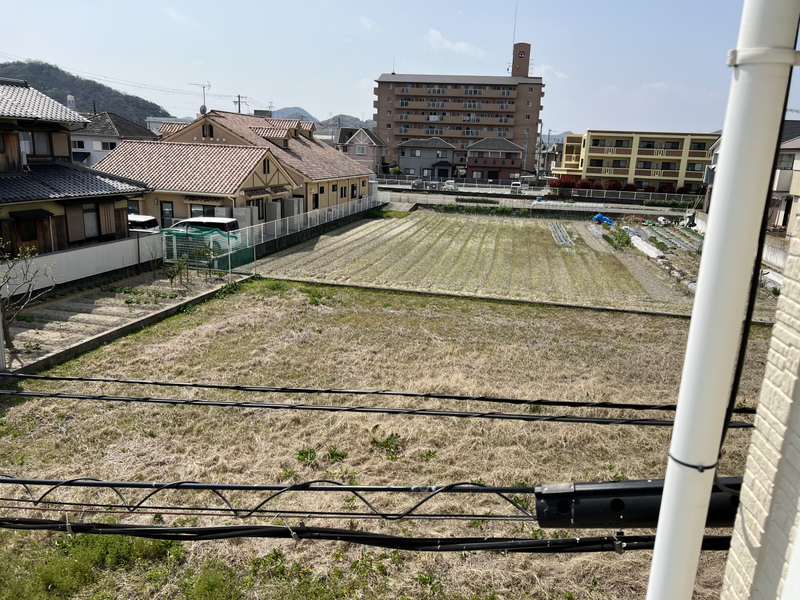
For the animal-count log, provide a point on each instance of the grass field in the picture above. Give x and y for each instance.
(276, 333)
(491, 256)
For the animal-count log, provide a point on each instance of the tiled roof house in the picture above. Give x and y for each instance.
(362, 145)
(191, 179)
(92, 140)
(46, 201)
(323, 176)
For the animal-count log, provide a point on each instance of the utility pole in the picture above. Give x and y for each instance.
(239, 101)
(547, 153)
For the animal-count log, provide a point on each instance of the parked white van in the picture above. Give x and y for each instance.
(143, 224)
(450, 185)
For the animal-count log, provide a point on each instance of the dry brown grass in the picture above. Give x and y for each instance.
(367, 340)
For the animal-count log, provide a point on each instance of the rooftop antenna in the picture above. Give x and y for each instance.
(204, 86)
(514, 36)
(393, 73)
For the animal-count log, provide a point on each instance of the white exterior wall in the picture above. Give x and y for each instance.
(89, 142)
(766, 524)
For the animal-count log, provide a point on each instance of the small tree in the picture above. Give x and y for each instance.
(666, 188)
(629, 187)
(396, 171)
(649, 188)
(20, 275)
(682, 190)
(613, 185)
(584, 184)
(596, 185)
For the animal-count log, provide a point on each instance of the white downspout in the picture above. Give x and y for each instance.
(762, 63)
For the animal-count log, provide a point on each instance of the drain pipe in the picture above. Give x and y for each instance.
(761, 65)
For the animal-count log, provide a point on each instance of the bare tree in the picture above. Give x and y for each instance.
(22, 280)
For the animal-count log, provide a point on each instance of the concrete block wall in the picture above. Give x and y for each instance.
(769, 509)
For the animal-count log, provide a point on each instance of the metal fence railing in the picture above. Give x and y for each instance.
(217, 250)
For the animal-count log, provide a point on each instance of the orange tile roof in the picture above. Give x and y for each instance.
(188, 168)
(311, 157)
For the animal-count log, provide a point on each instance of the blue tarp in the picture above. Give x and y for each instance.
(602, 219)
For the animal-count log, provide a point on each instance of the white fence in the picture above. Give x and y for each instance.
(79, 263)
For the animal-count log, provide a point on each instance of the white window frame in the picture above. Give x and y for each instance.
(361, 150)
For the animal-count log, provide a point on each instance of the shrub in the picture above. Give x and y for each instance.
(563, 182)
(396, 171)
(597, 185)
(613, 185)
(584, 184)
(666, 188)
(649, 188)
(629, 187)
(682, 190)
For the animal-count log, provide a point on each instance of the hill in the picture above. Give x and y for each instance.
(57, 83)
(294, 112)
(348, 121)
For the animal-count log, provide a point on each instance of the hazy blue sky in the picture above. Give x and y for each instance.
(627, 64)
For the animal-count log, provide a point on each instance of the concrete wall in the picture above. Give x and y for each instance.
(769, 511)
(775, 250)
(90, 261)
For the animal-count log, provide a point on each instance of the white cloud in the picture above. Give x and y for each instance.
(367, 23)
(658, 86)
(439, 42)
(547, 72)
(177, 17)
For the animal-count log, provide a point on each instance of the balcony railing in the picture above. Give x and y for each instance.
(404, 117)
(436, 90)
(470, 92)
(470, 119)
(434, 118)
(472, 105)
(469, 133)
(434, 104)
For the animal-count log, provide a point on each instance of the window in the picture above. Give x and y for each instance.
(530, 103)
(647, 144)
(265, 166)
(598, 143)
(669, 166)
(322, 189)
(644, 164)
(692, 187)
(333, 188)
(353, 191)
(785, 161)
(91, 221)
(362, 150)
(697, 146)
(672, 145)
(527, 117)
(622, 143)
(201, 210)
(441, 154)
(314, 201)
(388, 153)
(343, 191)
(27, 230)
(530, 90)
(133, 207)
(97, 146)
(109, 145)
(388, 126)
(619, 164)
(426, 172)
(388, 113)
(259, 204)
(363, 183)
(208, 131)
(596, 162)
(391, 86)
(166, 214)
(410, 171)
(388, 138)
(416, 152)
(389, 99)
(477, 174)
(699, 166)
(77, 144)
(285, 143)
(527, 131)
(41, 143)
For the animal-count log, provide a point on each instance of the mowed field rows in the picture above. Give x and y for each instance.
(490, 256)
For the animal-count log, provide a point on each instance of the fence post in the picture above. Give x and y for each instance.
(229, 257)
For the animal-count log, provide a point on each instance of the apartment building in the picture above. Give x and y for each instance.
(460, 109)
(643, 158)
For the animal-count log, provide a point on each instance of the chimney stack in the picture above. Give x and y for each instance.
(522, 60)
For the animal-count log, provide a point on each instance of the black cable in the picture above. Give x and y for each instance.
(429, 412)
(301, 532)
(320, 485)
(310, 391)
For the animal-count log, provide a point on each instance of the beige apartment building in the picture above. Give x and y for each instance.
(643, 158)
(461, 109)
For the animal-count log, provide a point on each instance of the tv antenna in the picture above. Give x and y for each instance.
(204, 86)
(514, 35)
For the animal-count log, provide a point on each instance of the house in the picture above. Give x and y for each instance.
(460, 109)
(642, 158)
(362, 146)
(158, 123)
(92, 140)
(321, 176)
(493, 159)
(45, 200)
(197, 179)
(431, 157)
(550, 156)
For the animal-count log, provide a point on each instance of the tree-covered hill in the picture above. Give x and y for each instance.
(56, 83)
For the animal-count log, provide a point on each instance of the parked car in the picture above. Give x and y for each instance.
(417, 184)
(450, 185)
(143, 224)
(516, 187)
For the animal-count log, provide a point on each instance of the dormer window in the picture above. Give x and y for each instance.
(285, 143)
(208, 131)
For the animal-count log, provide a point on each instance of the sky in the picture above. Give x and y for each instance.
(612, 64)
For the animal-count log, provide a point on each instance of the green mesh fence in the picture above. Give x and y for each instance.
(209, 249)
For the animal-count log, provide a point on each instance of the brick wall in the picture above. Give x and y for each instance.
(768, 513)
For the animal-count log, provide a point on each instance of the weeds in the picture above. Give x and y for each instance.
(307, 456)
(335, 455)
(393, 446)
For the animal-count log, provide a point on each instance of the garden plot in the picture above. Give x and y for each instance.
(478, 255)
(676, 239)
(659, 235)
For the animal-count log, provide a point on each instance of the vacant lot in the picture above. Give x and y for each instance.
(274, 333)
(500, 257)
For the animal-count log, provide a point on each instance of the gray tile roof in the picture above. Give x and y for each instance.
(57, 181)
(457, 79)
(345, 133)
(18, 100)
(433, 142)
(495, 144)
(112, 125)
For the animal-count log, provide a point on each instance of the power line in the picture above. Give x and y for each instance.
(299, 532)
(332, 391)
(427, 412)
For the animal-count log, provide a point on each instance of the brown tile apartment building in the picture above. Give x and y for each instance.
(460, 109)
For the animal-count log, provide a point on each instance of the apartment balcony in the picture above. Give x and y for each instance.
(700, 154)
(656, 173)
(571, 165)
(693, 175)
(496, 162)
(609, 150)
(783, 180)
(470, 119)
(572, 158)
(573, 139)
(661, 152)
(471, 105)
(470, 133)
